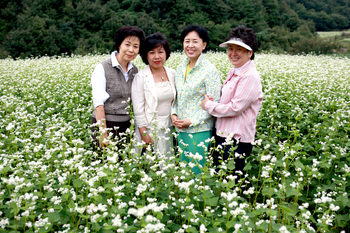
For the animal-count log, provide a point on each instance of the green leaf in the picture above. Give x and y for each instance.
(166, 230)
(212, 201)
(231, 165)
(345, 201)
(109, 227)
(54, 217)
(230, 224)
(299, 164)
(342, 220)
(159, 215)
(285, 208)
(15, 210)
(43, 230)
(276, 227)
(96, 227)
(192, 229)
(231, 184)
(78, 183)
(71, 204)
(5, 170)
(271, 212)
(175, 227)
(292, 192)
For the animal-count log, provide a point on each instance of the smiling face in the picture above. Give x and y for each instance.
(128, 49)
(238, 55)
(156, 57)
(193, 46)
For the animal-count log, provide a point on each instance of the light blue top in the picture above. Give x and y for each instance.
(204, 78)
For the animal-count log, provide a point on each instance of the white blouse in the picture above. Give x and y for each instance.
(165, 97)
(152, 101)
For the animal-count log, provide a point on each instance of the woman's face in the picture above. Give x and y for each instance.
(129, 49)
(238, 55)
(156, 57)
(193, 45)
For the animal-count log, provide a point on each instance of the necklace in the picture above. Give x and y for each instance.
(155, 75)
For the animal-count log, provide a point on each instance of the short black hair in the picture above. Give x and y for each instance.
(127, 31)
(152, 41)
(247, 35)
(202, 32)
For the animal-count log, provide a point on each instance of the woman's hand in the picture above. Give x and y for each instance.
(103, 142)
(205, 100)
(145, 136)
(174, 118)
(181, 124)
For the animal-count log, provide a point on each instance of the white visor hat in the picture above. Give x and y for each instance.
(237, 41)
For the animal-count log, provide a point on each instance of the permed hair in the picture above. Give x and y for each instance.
(202, 32)
(154, 41)
(247, 35)
(127, 31)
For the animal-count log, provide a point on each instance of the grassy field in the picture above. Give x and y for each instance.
(340, 38)
(52, 181)
(332, 33)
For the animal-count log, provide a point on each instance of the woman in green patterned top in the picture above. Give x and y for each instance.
(195, 76)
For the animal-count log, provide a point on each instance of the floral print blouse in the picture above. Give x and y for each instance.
(204, 78)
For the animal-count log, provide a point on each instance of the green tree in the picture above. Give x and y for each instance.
(271, 8)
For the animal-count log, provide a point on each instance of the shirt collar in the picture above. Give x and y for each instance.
(115, 62)
(237, 70)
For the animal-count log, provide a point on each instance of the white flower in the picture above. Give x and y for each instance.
(10, 126)
(202, 228)
(4, 222)
(283, 229)
(117, 222)
(334, 208)
(237, 226)
(155, 227)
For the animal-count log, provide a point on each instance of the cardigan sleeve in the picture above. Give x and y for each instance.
(138, 100)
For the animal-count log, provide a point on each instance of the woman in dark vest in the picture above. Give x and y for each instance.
(111, 85)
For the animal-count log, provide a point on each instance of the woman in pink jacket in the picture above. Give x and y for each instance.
(240, 102)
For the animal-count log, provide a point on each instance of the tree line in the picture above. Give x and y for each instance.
(55, 27)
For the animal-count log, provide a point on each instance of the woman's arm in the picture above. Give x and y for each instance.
(139, 101)
(247, 91)
(99, 95)
(101, 118)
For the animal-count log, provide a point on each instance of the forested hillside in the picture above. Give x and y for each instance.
(53, 27)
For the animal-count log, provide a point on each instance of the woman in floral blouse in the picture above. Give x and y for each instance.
(195, 76)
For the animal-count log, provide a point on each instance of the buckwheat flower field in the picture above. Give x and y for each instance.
(51, 180)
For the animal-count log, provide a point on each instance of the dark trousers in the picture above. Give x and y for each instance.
(243, 149)
(116, 129)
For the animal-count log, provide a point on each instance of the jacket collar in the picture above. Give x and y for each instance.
(198, 63)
